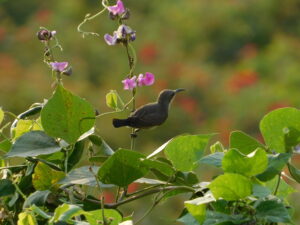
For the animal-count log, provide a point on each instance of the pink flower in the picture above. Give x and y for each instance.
(59, 66)
(146, 80)
(117, 9)
(129, 83)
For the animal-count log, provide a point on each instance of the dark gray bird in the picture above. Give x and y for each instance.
(150, 115)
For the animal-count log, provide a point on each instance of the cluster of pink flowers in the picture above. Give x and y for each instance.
(146, 79)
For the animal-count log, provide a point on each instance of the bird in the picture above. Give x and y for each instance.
(150, 115)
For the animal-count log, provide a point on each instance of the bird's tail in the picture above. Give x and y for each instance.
(120, 122)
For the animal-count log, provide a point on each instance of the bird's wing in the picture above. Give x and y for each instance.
(148, 115)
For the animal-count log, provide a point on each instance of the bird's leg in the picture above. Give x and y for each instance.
(133, 134)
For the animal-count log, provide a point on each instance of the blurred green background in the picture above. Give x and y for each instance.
(238, 59)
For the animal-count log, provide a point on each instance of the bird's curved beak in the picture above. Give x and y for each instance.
(179, 90)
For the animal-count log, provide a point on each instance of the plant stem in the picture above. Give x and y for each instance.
(102, 196)
(278, 183)
(149, 192)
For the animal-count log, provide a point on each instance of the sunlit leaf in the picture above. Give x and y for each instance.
(24, 126)
(1, 115)
(248, 165)
(185, 151)
(114, 101)
(45, 178)
(26, 218)
(67, 116)
(112, 216)
(231, 187)
(281, 129)
(243, 142)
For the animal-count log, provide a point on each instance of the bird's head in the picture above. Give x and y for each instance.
(166, 96)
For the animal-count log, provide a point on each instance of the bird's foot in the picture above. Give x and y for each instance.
(133, 135)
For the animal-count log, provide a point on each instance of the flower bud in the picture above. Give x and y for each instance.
(45, 35)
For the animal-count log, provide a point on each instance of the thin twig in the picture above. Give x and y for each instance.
(278, 183)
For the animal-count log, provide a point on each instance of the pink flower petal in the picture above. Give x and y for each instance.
(59, 66)
(117, 9)
(129, 83)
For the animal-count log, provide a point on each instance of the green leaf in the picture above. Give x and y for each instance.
(67, 116)
(231, 187)
(32, 144)
(217, 147)
(160, 166)
(281, 129)
(76, 154)
(243, 142)
(197, 207)
(112, 216)
(275, 165)
(260, 191)
(248, 165)
(217, 218)
(45, 178)
(272, 211)
(188, 219)
(114, 101)
(185, 151)
(65, 212)
(37, 198)
(24, 126)
(104, 148)
(6, 187)
(83, 176)
(122, 168)
(185, 178)
(26, 218)
(5, 145)
(1, 115)
(295, 173)
(214, 159)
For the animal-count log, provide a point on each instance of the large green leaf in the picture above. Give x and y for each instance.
(231, 187)
(45, 178)
(248, 165)
(32, 144)
(112, 216)
(122, 168)
(243, 142)
(185, 151)
(275, 165)
(67, 116)
(272, 211)
(281, 129)
(6, 187)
